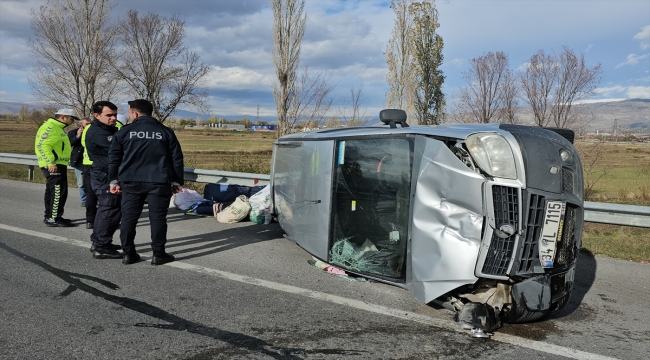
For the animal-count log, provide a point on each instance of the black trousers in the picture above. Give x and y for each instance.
(91, 197)
(108, 216)
(134, 195)
(56, 192)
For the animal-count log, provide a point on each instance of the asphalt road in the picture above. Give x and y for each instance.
(242, 291)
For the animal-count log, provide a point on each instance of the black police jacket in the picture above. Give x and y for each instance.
(76, 156)
(146, 151)
(99, 138)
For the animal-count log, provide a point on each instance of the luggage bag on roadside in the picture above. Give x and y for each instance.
(224, 193)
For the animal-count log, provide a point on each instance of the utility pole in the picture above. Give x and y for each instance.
(258, 114)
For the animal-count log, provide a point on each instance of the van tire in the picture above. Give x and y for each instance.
(522, 314)
(565, 133)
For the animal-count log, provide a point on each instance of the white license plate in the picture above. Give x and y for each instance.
(551, 231)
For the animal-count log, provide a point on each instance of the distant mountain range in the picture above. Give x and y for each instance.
(632, 115)
(12, 108)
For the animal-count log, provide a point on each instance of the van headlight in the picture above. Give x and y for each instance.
(493, 154)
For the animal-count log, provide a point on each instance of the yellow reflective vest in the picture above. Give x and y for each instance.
(52, 145)
(87, 160)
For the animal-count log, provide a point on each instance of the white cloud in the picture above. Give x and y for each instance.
(457, 62)
(589, 47)
(19, 97)
(594, 101)
(644, 37)
(610, 91)
(16, 17)
(633, 59)
(237, 78)
(18, 74)
(638, 92)
(360, 71)
(630, 92)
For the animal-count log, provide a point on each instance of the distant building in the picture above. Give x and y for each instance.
(225, 126)
(233, 127)
(262, 128)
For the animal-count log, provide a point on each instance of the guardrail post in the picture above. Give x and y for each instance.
(30, 173)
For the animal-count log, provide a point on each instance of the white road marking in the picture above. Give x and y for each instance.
(357, 304)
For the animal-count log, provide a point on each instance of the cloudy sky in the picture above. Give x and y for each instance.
(347, 38)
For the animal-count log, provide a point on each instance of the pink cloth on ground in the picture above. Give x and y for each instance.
(334, 270)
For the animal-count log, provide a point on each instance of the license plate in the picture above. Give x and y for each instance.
(551, 232)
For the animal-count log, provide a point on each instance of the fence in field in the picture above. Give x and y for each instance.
(606, 213)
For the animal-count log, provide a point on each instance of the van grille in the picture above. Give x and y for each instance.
(506, 211)
(567, 249)
(530, 254)
(567, 180)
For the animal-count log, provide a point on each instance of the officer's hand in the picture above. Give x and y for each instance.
(52, 169)
(79, 131)
(177, 188)
(115, 189)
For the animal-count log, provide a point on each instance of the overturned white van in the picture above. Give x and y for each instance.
(483, 218)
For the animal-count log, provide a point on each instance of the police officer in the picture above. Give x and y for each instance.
(98, 140)
(76, 157)
(91, 198)
(145, 163)
(52, 147)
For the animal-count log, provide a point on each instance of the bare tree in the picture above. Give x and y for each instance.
(39, 116)
(156, 66)
(592, 154)
(576, 81)
(401, 77)
(427, 55)
(310, 100)
(72, 42)
(538, 81)
(508, 97)
(23, 113)
(289, 23)
(333, 122)
(354, 117)
(552, 84)
(489, 83)
(400, 60)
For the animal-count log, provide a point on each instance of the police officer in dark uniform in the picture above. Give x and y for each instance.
(145, 163)
(98, 140)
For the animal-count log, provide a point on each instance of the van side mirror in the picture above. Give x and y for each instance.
(393, 117)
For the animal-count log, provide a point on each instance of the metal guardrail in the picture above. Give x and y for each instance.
(606, 213)
(198, 175)
(617, 214)
(217, 176)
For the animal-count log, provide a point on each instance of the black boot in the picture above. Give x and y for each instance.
(130, 258)
(106, 252)
(162, 258)
(114, 246)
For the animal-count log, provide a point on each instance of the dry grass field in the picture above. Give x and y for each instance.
(614, 172)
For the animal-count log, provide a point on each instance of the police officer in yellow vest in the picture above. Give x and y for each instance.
(91, 198)
(53, 149)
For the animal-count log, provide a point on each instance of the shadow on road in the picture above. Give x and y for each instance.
(585, 276)
(176, 323)
(217, 241)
